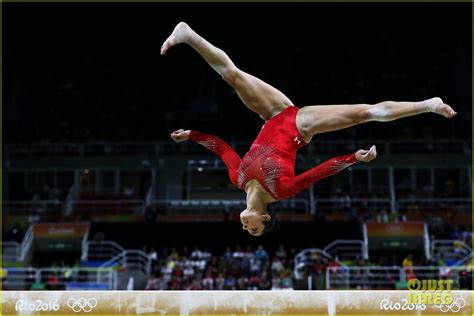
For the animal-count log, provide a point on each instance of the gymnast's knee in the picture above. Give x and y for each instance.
(366, 113)
(231, 74)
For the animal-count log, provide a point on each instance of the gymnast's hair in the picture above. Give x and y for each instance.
(272, 224)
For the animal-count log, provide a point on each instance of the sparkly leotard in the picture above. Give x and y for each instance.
(271, 158)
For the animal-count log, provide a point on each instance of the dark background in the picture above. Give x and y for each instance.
(92, 72)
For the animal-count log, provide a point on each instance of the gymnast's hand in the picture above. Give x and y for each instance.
(366, 155)
(180, 135)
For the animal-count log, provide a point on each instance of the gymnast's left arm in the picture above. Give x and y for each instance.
(329, 168)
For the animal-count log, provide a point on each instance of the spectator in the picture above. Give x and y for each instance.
(230, 283)
(238, 253)
(264, 283)
(220, 282)
(227, 256)
(208, 282)
(152, 254)
(277, 266)
(261, 254)
(254, 282)
(154, 283)
(408, 266)
(281, 252)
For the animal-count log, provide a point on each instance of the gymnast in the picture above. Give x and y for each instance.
(266, 172)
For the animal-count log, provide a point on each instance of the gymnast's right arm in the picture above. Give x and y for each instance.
(214, 144)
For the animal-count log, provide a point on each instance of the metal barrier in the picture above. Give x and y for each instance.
(325, 206)
(32, 207)
(426, 146)
(10, 251)
(346, 249)
(26, 243)
(131, 260)
(20, 278)
(163, 148)
(131, 284)
(13, 251)
(465, 261)
(348, 204)
(60, 278)
(308, 257)
(120, 149)
(372, 277)
(115, 207)
(112, 254)
(342, 146)
(451, 250)
(85, 246)
(435, 204)
(219, 206)
(386, 277)
(434, 273)
(101, 250)
(192, 206)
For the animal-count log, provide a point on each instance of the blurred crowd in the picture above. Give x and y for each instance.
(233, 269)
(246, 268)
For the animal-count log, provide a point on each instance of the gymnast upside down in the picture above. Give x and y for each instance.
(266, 172)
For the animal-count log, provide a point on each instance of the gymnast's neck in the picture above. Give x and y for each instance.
(257, 197)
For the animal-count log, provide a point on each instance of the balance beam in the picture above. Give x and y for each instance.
(228, 302)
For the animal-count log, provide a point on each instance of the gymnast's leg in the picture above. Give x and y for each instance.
(257, 95)
(316, 119)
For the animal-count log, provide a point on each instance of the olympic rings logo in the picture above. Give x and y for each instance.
(454, 307)
(82, 304)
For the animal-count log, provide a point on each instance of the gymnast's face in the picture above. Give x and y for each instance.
(252, 221)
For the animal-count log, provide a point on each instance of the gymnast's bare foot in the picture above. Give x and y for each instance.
(179, 35)
(436, 105)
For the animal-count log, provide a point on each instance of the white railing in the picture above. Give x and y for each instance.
(10, 251)
(434, 273)
(14, 251)
(387, 277)
(20, 278)
(325, 206)
(161, 148)
(435, 204)
(131, 284)
(371, 277)
(60, 278)
(131, 260)
(366, 241)
(85, 246)
(207, 205)
(112, 254)
(26, 243)
(426, 242)
(32, 207)
(308, 257)
(107, 206)
(428, 146)
(346, 249)
(101, 250)
(466, 261)
(347, 204)
(452, 250)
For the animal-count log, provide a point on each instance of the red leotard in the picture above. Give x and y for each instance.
(271, 158)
